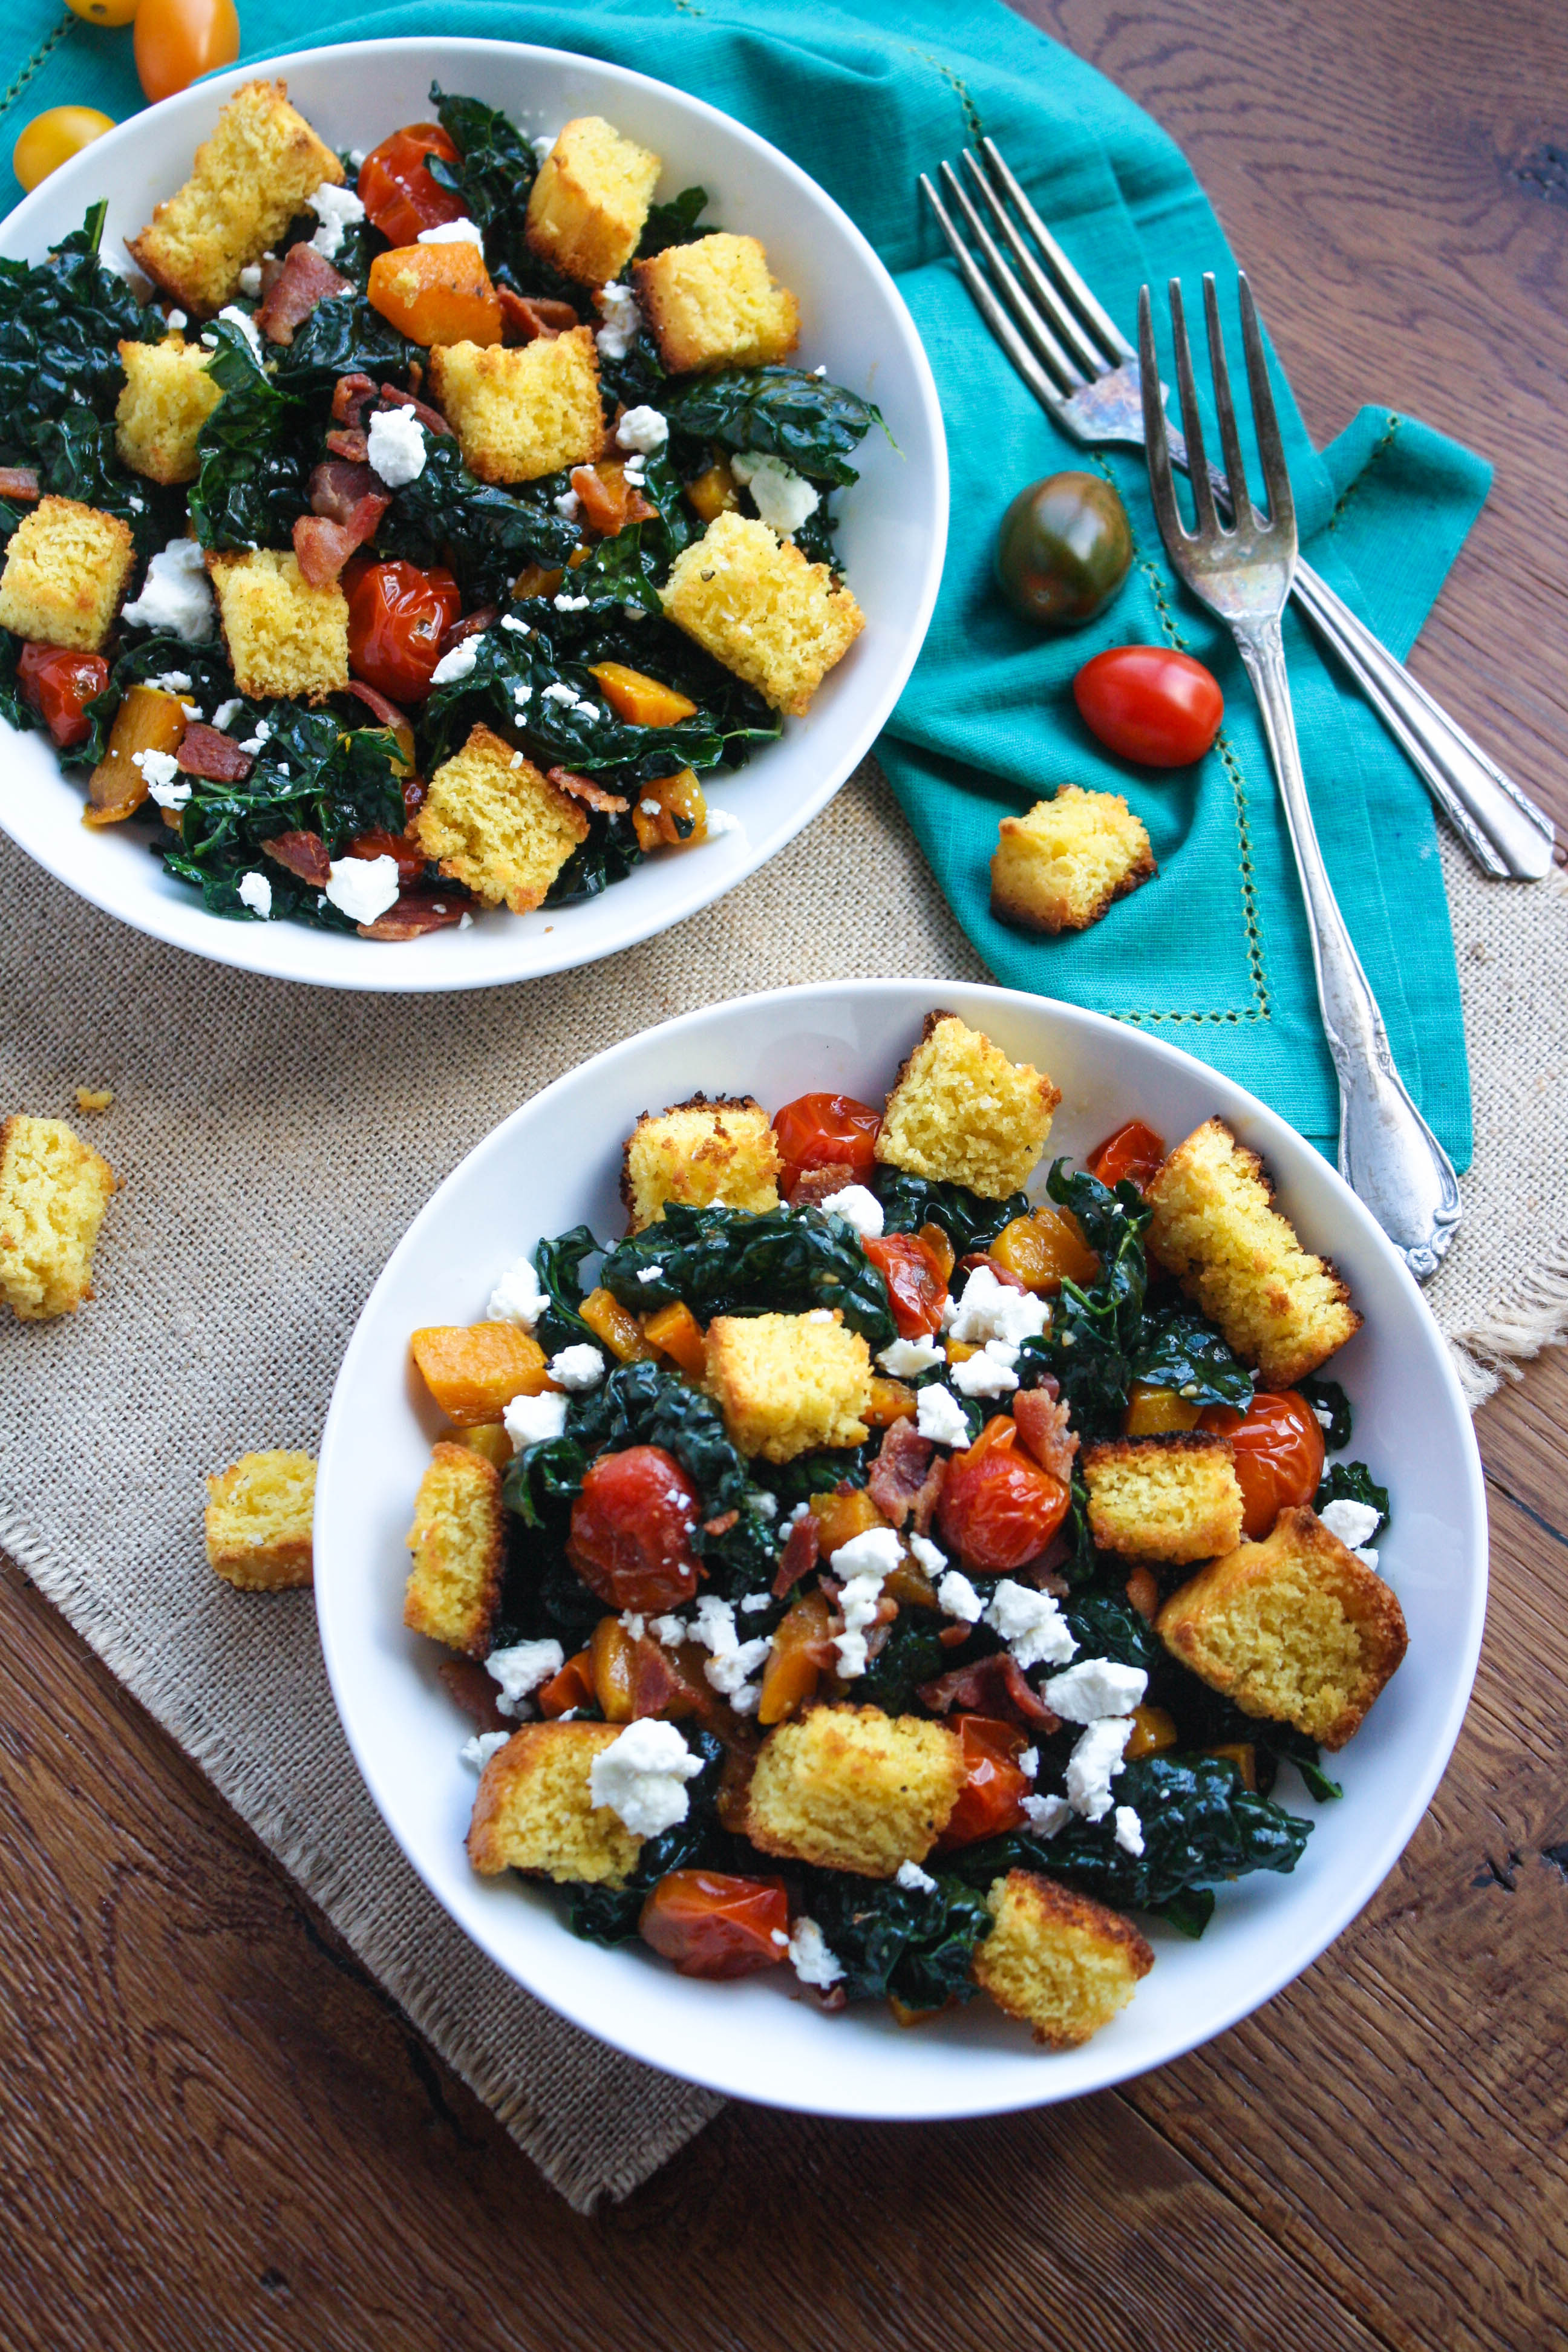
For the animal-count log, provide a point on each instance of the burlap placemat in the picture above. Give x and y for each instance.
(274, 1143)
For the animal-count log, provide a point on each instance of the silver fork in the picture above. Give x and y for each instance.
(1388, 1154)
(1085, 374)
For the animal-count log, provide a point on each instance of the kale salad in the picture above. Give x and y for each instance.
(874, 1568)
(438, 527)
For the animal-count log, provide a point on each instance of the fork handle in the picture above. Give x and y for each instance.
(1388, 1154)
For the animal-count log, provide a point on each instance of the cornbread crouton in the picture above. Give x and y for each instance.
(962, 1112)
(1216, 1229)
(167, 399)
(535, 1810)
(65, 572)
(54, 1190)
(786, 1383)
(702, 1151)
(454, 1591)
(283, 635)
(589, 203)
(1164, 1499)
(519, 411)
(714, 304)
(754, 602)
(1295, 1629)
(1060, 868)
(262, 164)
(494, 824)
(258, 1519)
(1058, 1960)
(852, 1788)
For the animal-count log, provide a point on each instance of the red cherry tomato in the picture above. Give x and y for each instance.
(177, 41)
(712, 1925)
(403, 846)
(916, 1289)
(999, 1508)
(397, 618)
(58, 685)
(1278, 1447)
(632, 1524)
(395, 188)
(992, 1798)
(827, 1131)
(1134, 1152)
(1148, 704)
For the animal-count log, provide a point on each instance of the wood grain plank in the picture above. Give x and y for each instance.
(1522, 1433)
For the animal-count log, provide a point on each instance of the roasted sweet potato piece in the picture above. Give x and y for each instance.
(664, 806)
(802, 1647)
(641, 701)
(149, 719)
(473, 1373)
(675, 1331)
(436, 294)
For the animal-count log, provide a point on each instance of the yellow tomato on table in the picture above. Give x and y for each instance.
(103, 12)
(177, 41)
(52, 139)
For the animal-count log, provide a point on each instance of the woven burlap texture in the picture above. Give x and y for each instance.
(274, 1143)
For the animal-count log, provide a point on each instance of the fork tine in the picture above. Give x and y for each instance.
(1156, 440)
(1068, 373)
(1224, 408)
(1204, 513)
(1059, 319)
(1043, 387)
(1265, 423)
(1098, 321)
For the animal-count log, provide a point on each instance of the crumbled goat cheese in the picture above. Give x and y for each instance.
(521, 1669)
(250, 279)
(641, 1777)
(819, 1315)
(1324, 1412)
(519, 1297)
(566, 604)
(161, 771)
(863, 1563)
(569, 506)
(458, 232)
(784, 499)
(649, 1273)
(459, 662)
(670, 1631)
(642, 429)
(227, 711)
(255, 892)
(765, 1506)
(364, 887)
(939, 1415)
(989, 1373)
(577, 1369)
(173, 793)
(906, 1359)
(1129, 1830)
(720, 820)
(956, 1597)
(1028, 1762)
(733, 1662)
(1094, 1763)
(1046, 1815)
(1031, 1624)
(918, 1880)
(876, 1551)
(650, 808)
(813, 1963)
(252, 743)
(931, 1558)
(175, 320)
(1095, 1686)
(534, 1420)
(356, 159)
(1355, 1524)
(174, 681)
(543, 145)
(510, 621)
(395, 448)
(176, 595)
(990, 1310)
(337, 209)
(633, 1625)
(859, 1207)
(479, 1750)
(750, 1603)
(618, 309)
(559, 691)
(246, 326)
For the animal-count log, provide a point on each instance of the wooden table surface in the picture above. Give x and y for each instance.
(216, 2130)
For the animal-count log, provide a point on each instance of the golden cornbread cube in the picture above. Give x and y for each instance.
(66, 567)
(1060, 1961)
(1061, 868)
(494, 824)
(168, 397)
(756, 604)
(1295, 1629)
(1214, 1227)
(788, 1383)
(522, 410)
(54, 1190)
(258, 1521)
(283, 635)
(535, 1809)
(1174, 1498)
(454, 1589)
(698, 1152)
(962, 1113)
(713, 304)
(588, 206)
(261, 165)
(849, 1788)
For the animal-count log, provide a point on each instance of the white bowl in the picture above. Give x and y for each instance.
(555, 1163)
(892, 536)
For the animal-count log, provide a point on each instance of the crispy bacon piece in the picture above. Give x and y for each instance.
(1042, 1424)
(583, 789)
(800, 1555)
(467, 1684)
(721, 1524)
(528, 318)
(416, 912)
(209, 753)
(339, 485)
(18, 482)
(303, 855)
(661, 1683)
(306, 278)
(1004, 1273)
(814, 1185)
(905, 1478)
(609, 501)
(431, 418)
(472, 624)
(343, 442)
(994, 1686)
(351, 396)
(347, 502)
(385, 714)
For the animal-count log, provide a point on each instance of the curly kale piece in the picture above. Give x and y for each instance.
(913, 1654)
(1352, 1482)
(914, 1943)
(254, 452)
(487, 534)
(559, 1266)
(636, 1405)
(494, 175)
(675, 223)
(818, 1473)
(154, 656)
(1332, 1397)
(968, 1219)
(1179, 1350)
(608, 1915)
(1104, 1625)
(61, 322)
(722, 1262)
(343, 337)
(776, 411)
(1096, 1333)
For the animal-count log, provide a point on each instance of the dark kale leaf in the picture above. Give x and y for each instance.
(636, 1405)
(913, 1942)
(1094, 1334)
(61, 319)
(968, 1219)
(494, 173)
(1106, 1626)
(1335, 1404)
(609, 853)
(814, 537)
(559, 1266)
(818, 1473)
(636, 380)
(77, 459)
(14, 709)
(912, 1654)
(1207, 1719)
(1189, 1913)
(155, 656)
(778, 412)
(255, 453)
(1352, 1482)
(675, 223)
(1179, 1350)
(487, 534)
(343, 337)
(722, 1262)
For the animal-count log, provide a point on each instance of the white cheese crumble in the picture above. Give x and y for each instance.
(863, 1563)
(564, 603)
(618, 309)
(814, 1964)
(918, 1880)
(641, 1776)
(1129, 1830)
(395, 446)
(1095, 1686)
(459, 662)
(940, 1416)
(246, 325)
(227, 711)
(519, 1296)
(165, 782)
(479, 1750)
(256, 892)
(750, 1603)
(931, 1557)
(990, 1310)
(569, 506)
(856, 1203)
(784, 499)
(534, 1420)
(956, 1597)
(176, 594)
(458, 232)
(174, 681)
(577, 1369)
(722, 820)
(633, 1625)
(670, 1631)
(733, 1661)
(510, 621)
(1094, 1763)
(649, 1273)
(876, 1551)
(765, 1506)
(559, 691)
(906, 1359)
(336, 209)
(1325, 1413)
(1354, 1524)
(1046, 1815)
(521, 1669)
(252, 743)
(250, 279)
(643, 429)
(989, 1373)
(543, 145)
(364, 887)
(1029, 1762)
(177, 319)
(1031, 1624)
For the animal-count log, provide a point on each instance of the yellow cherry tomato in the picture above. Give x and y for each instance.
(177, 41)
(103, 12)
(52, 139)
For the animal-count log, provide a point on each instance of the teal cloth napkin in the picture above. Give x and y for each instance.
(1215, 954)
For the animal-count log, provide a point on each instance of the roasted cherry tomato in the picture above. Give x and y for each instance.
(1135, 1153)
(177, 41)
(827, 1131)
(395, 188)
(1278, 1455)
(992, 1798)
(1150, 704)
(917, 1291)
(632, 1524)
(52, 139)
(58, 685)
(1064, 550)
(712, 1925)
(397, 618)
(998, 1508)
